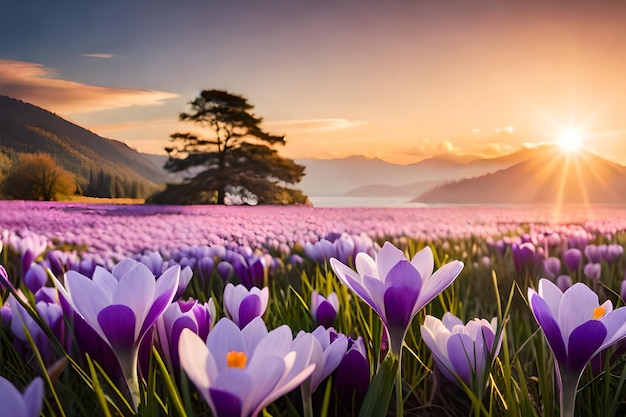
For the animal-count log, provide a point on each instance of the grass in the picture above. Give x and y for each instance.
(521, 382)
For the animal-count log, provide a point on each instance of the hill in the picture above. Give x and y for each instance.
(547, 176)
(104, 167)
(358, 176)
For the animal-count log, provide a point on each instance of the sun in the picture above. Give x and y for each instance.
(571, 140)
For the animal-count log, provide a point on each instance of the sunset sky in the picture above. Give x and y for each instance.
(398, 80)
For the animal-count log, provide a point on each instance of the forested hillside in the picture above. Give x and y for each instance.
(104, 167)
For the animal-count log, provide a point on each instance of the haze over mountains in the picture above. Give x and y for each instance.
(543, 174)
(358, 176)
(549, 175)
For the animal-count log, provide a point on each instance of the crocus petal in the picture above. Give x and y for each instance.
(551, 330)
(249, 308)
(225, 337)
(576, 308)
(462, 357)
(177, 328)
(438, 282)
(583, 344)
(118, 325)
(449, 320)
(288, 386)
(194, 359)
(615, 323)
(11, 397)
(325, 314)
(387, 258)
(86, 297)
(225, 404)
(334, 354)
(237, 382)
(277, 342)
(365, 265)
(123, 267)
(551, 293)
(352, 280)
(105, 281)
(253, 333)
(424, 262)
(136, 290)
(166, 287)
(33, 398)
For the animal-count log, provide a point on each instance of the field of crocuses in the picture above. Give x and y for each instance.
(119, 310)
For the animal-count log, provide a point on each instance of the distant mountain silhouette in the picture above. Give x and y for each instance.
(104, 167)
(546, 176)
(358, 176)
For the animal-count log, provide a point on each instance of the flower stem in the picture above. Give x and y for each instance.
(399, 399)
(569, 387)
(128, 363)
(307, 401)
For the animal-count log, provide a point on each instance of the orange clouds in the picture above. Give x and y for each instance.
(314, 124)
(39, 85)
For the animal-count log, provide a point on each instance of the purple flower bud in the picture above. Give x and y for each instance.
(243, 305)
(593, 271)
(225, 269)
(324, 310)
(572, 258)
(205, 267)
(622, 291)
(593, 254)
(552, 266)
(35, 278)
(564, 282)
(614, 252)
(524, 256)
(352, 377)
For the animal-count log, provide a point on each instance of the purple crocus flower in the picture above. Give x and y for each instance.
(396, 288)
(524, 256)
(240, 372)
(552, 266)
(35, 277)
(594, 253)
(324, 310)
(121, 306)
(352, 376)
(593, 271)
(28, 404)
(462, 352)
(577, 328)
(614, 252)
(327, 353)
(622, 290)
(564, 282)
(21, 322)
(572, 258)
(243, 305)
(183, 315)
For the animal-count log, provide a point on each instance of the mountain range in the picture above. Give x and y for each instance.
(104, 167)
(549, 175)
(541, 174)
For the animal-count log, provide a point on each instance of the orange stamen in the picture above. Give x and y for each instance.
(598, 313)
(236, 359)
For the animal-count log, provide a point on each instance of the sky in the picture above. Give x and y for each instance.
(397, 80)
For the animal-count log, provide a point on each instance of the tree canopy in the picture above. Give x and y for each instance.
(38, 177)
(237, 158)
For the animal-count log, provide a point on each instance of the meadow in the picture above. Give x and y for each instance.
(208, 272)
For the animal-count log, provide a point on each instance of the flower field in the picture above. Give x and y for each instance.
(120, 310)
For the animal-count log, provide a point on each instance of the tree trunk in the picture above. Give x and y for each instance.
(221, 193)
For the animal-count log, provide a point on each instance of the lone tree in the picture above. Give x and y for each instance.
(38, 177)
(238, 158)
